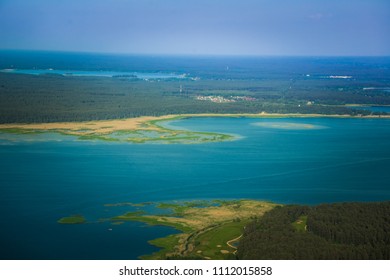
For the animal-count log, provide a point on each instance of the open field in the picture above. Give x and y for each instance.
(300, 224)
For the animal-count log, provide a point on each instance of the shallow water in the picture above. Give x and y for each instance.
(302, 160)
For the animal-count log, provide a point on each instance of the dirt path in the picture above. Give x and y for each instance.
(232, 241)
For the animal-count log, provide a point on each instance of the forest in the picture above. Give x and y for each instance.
(53, 98)
(327, 231)
(305, 85)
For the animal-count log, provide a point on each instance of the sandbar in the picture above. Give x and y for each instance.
(147, 129)
(109, 126)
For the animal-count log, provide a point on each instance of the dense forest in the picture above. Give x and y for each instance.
(247, 84)
(51, 98)
(328, 231)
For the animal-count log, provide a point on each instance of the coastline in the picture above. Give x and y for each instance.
(365, 105)
(108, 126)
(206, 228)
(147, 129)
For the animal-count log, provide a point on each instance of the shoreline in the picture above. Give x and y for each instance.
(365, 105)
(107, 126)
(206, 228)
(148, 129)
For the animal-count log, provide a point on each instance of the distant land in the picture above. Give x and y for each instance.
(86, 87)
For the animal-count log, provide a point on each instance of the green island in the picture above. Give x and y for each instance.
(76, 219)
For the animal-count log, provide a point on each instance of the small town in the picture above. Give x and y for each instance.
(221, 99)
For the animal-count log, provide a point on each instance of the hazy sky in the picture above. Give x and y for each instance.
(248, 27)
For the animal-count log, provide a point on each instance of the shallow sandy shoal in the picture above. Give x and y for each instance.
(107, 126)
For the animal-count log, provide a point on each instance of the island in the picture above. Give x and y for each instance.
(75, 219)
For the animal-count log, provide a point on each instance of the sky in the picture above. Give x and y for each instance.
(199, 27)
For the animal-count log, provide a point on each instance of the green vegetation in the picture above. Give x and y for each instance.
(250, 229)
(332, 231)
(213, 243)
(152, 220)
(208, 229)
(53, 98)
(76, 219)
(176, 209)
(300, 224)
(167, 245)
(128, 204)
(151, 132)
(162, 135)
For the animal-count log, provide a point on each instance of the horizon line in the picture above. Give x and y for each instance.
(191, 54)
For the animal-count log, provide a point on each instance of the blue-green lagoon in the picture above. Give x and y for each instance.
(285, 160)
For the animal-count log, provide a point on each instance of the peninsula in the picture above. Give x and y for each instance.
(148, 128)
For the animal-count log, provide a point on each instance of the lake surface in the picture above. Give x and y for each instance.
(289, 160)
(80, 73)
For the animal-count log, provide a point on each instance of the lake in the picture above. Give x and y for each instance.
(80, 73)
(286, 160)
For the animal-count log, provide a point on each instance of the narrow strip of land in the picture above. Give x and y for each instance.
(107, 126)
(147, 128)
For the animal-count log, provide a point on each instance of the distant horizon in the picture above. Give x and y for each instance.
(191, 54)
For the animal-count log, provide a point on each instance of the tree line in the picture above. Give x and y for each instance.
(333, 231)
(53, 98)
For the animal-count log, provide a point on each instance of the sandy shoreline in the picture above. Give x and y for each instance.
(109, 126)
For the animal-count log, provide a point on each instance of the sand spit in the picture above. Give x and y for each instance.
(108, 126)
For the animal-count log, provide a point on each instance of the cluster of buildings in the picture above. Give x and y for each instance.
(221, 99)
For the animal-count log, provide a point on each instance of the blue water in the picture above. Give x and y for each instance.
(80, 73)
(371, 71)
(305, 160)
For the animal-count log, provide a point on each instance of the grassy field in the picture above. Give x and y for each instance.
(300, 225)
(206, 227)
(213, 243)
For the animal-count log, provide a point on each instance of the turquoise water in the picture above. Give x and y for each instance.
(304, 160)
(80, 73)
